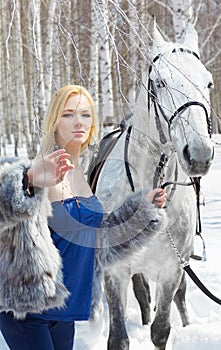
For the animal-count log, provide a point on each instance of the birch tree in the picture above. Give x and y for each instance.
(39, 89)
(48, 31)
(10, 98)
(106, 86)
(23, 112)
(94, 57)
(100, 44)
(182, 12)
(4, 91)
(133, 53)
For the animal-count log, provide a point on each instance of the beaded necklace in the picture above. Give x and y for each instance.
(66, 185)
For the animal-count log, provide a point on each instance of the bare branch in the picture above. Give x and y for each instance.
(69, 37)
(211, 32)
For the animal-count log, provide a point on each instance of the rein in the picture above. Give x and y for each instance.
(126, 162)
(186, 266)
(195, 182)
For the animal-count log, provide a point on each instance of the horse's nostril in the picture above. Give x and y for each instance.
(186, 154)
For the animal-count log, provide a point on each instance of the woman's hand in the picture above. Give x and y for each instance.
(49, 170)
(157, 196)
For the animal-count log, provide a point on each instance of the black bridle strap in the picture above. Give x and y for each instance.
(168, 183)
(126, 162)
(181, 49)
(182, 109)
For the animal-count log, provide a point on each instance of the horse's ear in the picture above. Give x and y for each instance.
(155, 36)
(191, 38)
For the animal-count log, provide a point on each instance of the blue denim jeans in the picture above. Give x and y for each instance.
(36, 333)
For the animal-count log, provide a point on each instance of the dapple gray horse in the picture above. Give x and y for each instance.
(167, 140)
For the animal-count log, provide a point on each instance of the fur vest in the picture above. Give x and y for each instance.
(30, 265)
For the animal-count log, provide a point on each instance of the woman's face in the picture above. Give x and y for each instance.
(73, 128)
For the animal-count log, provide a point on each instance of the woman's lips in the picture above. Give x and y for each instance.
(81, 132)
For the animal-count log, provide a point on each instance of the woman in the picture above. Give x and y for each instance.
(41, 315)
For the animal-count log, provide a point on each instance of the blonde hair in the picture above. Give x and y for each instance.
(54, 112)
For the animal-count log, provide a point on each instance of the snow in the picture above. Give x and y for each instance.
(204, 332)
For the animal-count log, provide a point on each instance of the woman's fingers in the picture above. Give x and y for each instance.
(157, 197)
(50, 170)
(62, 168)
(160, 198)
(55, 154)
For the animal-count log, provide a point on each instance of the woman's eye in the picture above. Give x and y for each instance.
(67, 115)
(71, 115)
(86, 115)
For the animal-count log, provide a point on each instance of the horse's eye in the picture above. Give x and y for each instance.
(160, 83)
(210, 85)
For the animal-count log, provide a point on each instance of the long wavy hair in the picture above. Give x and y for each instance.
(54, 112)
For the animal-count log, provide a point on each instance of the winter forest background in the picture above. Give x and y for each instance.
(100, 44)
(104, 46)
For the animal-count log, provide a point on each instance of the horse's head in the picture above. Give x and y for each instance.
(179, 87)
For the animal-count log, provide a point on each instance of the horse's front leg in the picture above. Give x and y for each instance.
(116, 293)
(165, 291)
(142, 293)
(180, 301)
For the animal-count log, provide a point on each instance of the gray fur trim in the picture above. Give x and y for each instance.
(121, 235)
(128, 228)
(30, 264)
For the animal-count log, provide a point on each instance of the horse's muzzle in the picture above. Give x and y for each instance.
(197, 164)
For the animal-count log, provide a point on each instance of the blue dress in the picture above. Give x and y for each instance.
(73, 228)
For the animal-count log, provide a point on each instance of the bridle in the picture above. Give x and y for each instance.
(152, 96)
(159, 173)
(194, 181)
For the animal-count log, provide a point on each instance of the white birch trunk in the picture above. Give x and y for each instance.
(182, 12)
(48, 47)
(5, 105)
(71, 7)
(22, 105)
(9, 84)
(39, 91)
(94, 59)
(29, 62)
(133, 54)
(107, 111)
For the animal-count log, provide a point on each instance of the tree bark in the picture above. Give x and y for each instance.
(106, 110)
(182, 12)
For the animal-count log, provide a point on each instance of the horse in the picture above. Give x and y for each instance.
(166, 142)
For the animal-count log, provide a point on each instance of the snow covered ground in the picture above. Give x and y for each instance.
(204, 332)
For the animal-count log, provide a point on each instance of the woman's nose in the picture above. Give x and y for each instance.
(77, 119)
